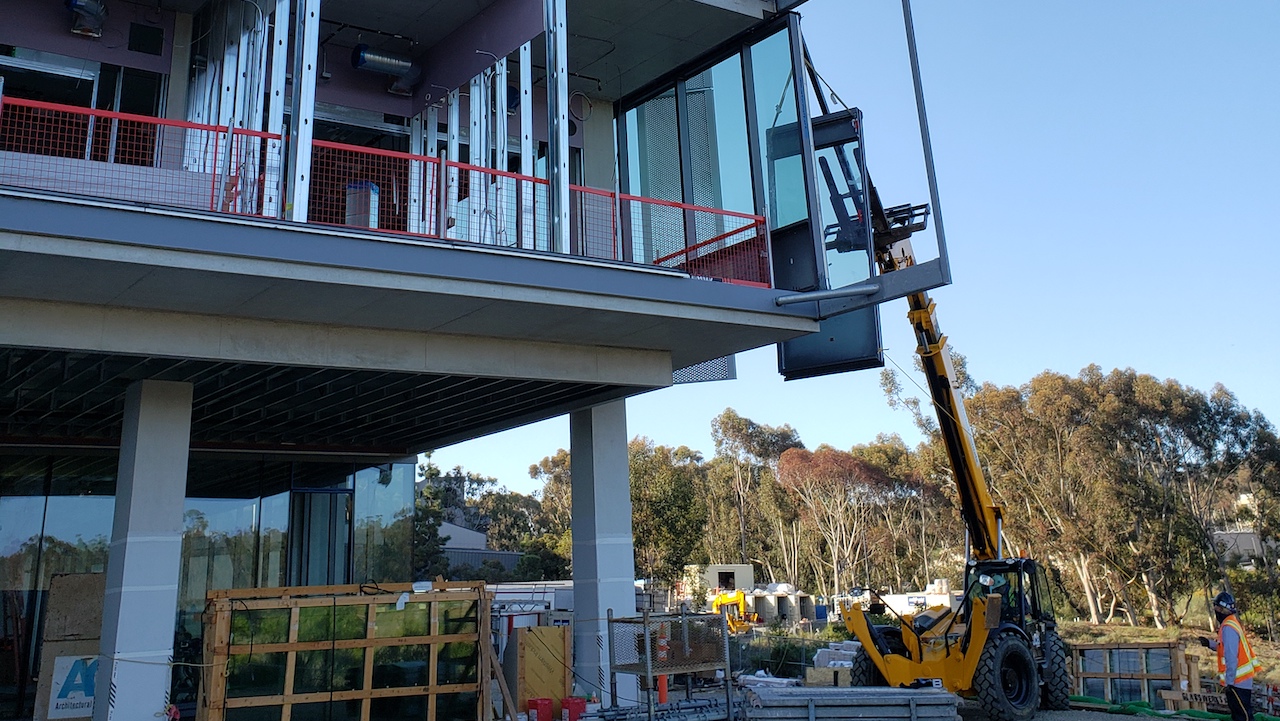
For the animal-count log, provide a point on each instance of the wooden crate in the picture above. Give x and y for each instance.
(399, 652)
(1156, 671)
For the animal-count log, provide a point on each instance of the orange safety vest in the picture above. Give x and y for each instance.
(1246, 661)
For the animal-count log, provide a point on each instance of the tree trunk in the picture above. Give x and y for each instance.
(1086, 582)
(1130, 615)
(1153, 599)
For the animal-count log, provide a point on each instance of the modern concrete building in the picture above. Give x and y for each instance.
(255, 254)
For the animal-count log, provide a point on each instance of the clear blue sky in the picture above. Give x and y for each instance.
(1108, 175)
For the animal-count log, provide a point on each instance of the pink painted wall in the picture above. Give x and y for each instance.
(46, 25)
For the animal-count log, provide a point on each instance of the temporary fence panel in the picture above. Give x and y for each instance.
(350, 652)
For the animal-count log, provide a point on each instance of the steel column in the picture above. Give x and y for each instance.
(528, 212)
(306, 42)
(276, 161)
(558, 123)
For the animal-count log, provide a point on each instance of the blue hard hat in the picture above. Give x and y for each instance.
(1225, 603)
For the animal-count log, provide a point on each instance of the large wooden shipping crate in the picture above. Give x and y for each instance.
(348, 652)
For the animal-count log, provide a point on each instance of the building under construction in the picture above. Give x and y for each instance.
(255, 255)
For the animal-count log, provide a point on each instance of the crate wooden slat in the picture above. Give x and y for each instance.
(223, 605)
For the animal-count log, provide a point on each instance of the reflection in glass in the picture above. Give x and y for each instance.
(325, 623)
(846, 234)
(413, 620)
(329, 669)
(776, 110)
(458, 617)
(653, 165)
(259, 625)
(259, 674)
(400, 666)
(22, 504)
(457, 706)
(457, 663)
(219, 547)
(273, 541)
(384, 523)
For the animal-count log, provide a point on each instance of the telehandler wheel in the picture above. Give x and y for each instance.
(1056, 694)
(864, 672)
(1006, 681)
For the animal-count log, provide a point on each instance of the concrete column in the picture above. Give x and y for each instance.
(139, 612)
(175, 104)
(603, 559)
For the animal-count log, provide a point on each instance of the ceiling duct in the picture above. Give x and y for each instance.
(406, 72)
(88, 17)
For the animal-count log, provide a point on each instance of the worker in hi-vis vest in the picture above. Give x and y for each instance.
(1237, 662)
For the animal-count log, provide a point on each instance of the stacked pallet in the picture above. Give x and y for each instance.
(816, 704)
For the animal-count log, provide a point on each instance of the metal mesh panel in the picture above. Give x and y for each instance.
(104, 154)
(676, 644)
(494, 206)
(716, 369)
(592, 229)
(368, 187)
(253, 183)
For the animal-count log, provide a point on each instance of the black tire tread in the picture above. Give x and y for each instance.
(986, 681)
(864, 671)
(1056, 693)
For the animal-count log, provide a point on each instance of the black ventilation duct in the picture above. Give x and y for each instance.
(88, 17)
(405, 71)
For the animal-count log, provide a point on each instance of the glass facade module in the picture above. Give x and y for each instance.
(653, 167)
(243, 520)
(383, 546)
(777, 114)
(715, 114)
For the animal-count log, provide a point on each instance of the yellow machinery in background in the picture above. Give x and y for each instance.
(734, 605)
(999, 644)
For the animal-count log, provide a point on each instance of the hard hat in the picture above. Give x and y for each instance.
(1224, 603)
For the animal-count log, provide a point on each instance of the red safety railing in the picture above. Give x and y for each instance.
(371, 188)
(105, 154)
(153, 161)
(728, 246)
(496, 207)
(254, 180)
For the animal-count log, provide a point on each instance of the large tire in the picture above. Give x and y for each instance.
(1056, 694)
(864, 672)
(1006, 681)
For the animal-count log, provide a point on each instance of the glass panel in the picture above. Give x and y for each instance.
(320, 550)
(324, 623)
(719, 154)
(326, 711)
(329, 670)
(1126, 660)
(653, 157)
(1093, 660)
(219, 549)
(458, 617)
(397, 709)
(259, 625)
(1158, 661)
(22, 504)
(1095, 687)
(273, 541)
(384, 521)
(400, 666)
(333, 476)
(846, 234)
(457, 663)
(1124, 690)
(414, 620)
(78, 519)
(457, 706)
(1154, 687)
(776, 112)
(259, 674)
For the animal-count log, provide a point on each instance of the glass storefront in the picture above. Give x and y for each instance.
(246, 523)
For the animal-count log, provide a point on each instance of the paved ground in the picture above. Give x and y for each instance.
(972, 713)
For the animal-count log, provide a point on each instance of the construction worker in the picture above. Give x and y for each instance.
(1237, 662)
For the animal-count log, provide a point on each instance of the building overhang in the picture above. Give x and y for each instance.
(304, 338)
